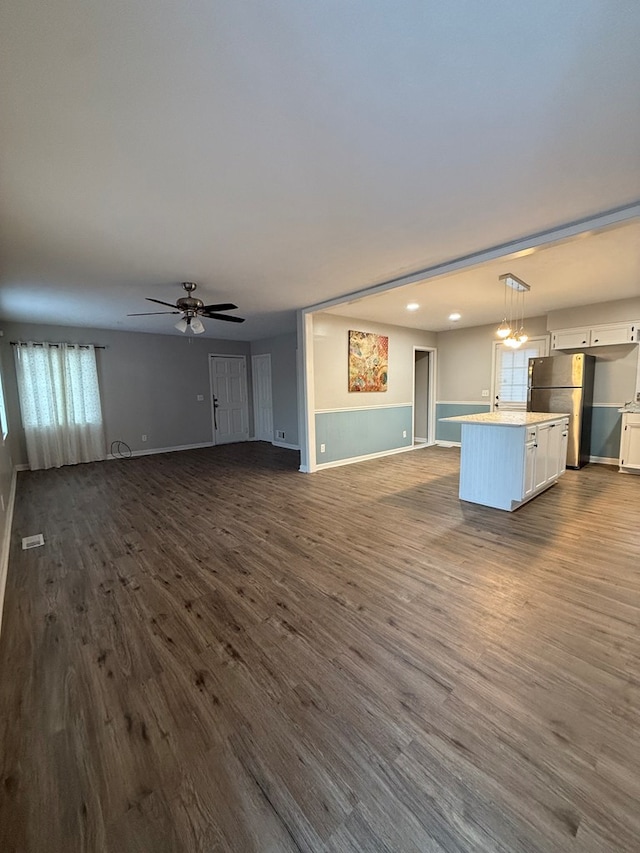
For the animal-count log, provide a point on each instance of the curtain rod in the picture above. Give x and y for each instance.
(36, 344)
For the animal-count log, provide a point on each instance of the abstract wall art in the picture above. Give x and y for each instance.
(368, 361)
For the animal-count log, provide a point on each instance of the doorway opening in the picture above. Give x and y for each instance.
(423, 397)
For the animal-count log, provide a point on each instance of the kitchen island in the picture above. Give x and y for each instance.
(508, 458)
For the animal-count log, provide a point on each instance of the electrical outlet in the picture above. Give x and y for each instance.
(485, 392)
(404, 433)
(280, 434)
(322, 448)
(200, 398)
(144, 437)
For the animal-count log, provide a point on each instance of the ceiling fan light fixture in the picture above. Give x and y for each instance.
(197, 326)
(181, 325)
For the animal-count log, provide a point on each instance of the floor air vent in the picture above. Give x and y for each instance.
(32, 541)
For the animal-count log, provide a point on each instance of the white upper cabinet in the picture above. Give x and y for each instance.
(595, 336)
(571, 339)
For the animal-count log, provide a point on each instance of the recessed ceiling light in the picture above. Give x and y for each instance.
(412, 306)
(455, 316)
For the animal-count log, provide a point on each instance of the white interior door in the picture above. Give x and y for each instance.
(230, 407)
(510, 373)
(262, 402)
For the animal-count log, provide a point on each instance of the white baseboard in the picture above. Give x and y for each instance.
(23, 466)
(353, 459)
(6, 539)
(448, 443)
(286, 446)
(604, 460)
(155, 450)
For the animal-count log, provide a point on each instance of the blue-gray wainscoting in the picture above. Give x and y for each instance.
(350, 433)
(451, 432)
(605, 426)
(605, 432)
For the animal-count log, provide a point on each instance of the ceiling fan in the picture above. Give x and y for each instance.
(192, 309)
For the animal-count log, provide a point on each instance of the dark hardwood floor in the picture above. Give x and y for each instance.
(213, 652)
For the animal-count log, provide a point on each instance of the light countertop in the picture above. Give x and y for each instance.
(513, 419)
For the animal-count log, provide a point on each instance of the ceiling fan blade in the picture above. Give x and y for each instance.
(213, 316)
(153, 313)
(223, 306)
(160, 302)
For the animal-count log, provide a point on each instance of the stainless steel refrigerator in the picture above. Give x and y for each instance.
(564, 383)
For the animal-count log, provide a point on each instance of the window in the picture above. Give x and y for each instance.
(59, 403)
(511, 373)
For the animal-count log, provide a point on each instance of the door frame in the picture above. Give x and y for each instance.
(211, 356)
(254, 390)
(431, 396)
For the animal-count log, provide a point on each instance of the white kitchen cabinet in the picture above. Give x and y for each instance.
(571, 339)
(630, 442)
(508, 458)
(615, 333)
(595, 336)
(543, 463)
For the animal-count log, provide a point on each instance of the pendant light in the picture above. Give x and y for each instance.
(504, 329)
(512, 332)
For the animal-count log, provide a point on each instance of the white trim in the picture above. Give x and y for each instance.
(306, 393)
(286, 446)
(607, 406)
(155, 450)
(23, 466)
(338, 463)
(604, 460)
(448, 443)
(485, 402)
(362, 408)
(6, 540)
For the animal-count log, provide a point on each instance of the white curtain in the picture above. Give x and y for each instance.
(60, 404)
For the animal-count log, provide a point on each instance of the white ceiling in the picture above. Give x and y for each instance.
(285, 153)
(587, 269)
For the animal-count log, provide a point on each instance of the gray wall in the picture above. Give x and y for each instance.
(465, 360)
(284, 383)
(331, 366)
(149, 383)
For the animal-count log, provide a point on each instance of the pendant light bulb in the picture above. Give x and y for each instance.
(504, 329)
